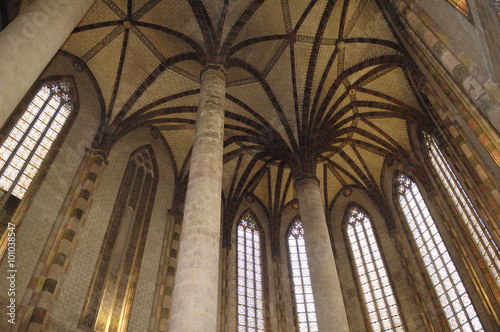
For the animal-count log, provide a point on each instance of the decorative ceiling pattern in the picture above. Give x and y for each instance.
(314, 87)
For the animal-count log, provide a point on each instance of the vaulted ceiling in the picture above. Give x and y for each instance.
(313, 87)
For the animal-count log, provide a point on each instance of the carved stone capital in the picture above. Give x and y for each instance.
(98, 154)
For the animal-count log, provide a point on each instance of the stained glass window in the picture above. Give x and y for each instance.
(453, 296)
(250, 299)
(29, 141)
(304, 299)
(473, 222)
(377, 291)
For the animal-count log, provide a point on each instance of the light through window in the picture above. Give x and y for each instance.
(250, 299)
(304, 300)
(469, 215)
(461, 5)
(377, 291)
(452, 294)
(30, 140)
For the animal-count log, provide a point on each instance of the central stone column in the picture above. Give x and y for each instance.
(330, 310)
(28, 44)
(194, 306)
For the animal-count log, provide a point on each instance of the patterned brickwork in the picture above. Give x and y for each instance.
(166, 275)
(487, 185)
(469, 75)
(56, 265)
(114, 283)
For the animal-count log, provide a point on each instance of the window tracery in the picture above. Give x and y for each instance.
(466, 210)
(28, 142)
(455, 301)
(375, 285)
(31, 138)
(250, 293)
(109, 300)
(304, 299)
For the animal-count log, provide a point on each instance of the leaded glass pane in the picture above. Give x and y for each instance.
(446, 280)
(377, 291)
(306, 313)
(468, 213)
(34, 131)
(250, 300)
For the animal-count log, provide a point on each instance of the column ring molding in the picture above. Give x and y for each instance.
(304, 178)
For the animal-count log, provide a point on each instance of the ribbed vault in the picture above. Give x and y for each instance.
(318, 86)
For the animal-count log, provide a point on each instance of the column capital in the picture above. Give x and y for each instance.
(213, 67)
(98, 153)
(305, 178)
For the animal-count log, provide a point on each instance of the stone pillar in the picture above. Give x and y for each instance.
(194, 306)
(28, 44)
(330, 310)
(48, 285)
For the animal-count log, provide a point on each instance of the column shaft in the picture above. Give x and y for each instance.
(28, 44)
(194, 306)
(330, 310)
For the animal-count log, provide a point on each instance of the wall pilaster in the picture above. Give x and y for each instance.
(49, 284)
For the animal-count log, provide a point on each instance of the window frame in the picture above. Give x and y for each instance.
(354, 272)
(473, 199)
(263, 266)
(452, 250)
(90, 315)
(52, 152)
(290, 272)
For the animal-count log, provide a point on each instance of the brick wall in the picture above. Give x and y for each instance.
(456, 26)
(41, 215)
(75, 288)
(391, 257)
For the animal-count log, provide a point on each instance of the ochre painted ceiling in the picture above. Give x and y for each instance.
(313, 87)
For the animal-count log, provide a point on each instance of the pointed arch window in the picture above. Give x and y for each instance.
(34, 133)
(109, 300)
(375, 285)
(250, 298)
(304, 299)
(28, 143)
(455, 301)
(477, 229)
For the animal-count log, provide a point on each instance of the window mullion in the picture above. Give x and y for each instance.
(365, 263)
(433, 261)
(25, 134)
(254, 279)
(37, 144)
(370, 253)
(448, 284)
(473, 222)
(302, 282)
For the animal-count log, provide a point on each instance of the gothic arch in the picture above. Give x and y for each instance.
(112, 289)
(229, 258)
(421, 282)
(9, 203)
(394, 261)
